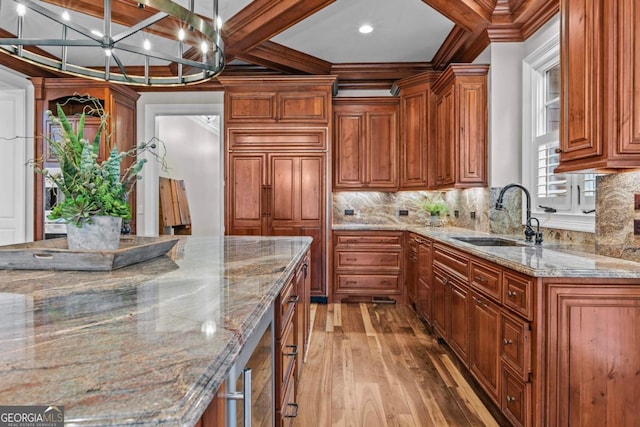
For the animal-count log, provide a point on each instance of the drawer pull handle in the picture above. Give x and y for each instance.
(445, 282)
(351, 259)
(385, 282)
(294, 299)
(294, 413)
(351, 282)
(511, 294)
(510, 399)
(43, 256)
(294, 351)
(507, 341)
(480, 279)
(351, 240)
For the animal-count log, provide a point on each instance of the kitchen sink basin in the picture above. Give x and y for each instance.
(488, 241)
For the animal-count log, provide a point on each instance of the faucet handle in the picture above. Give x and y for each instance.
(539, 238)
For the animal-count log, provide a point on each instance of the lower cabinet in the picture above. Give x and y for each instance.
(291, 334)
(368, 264)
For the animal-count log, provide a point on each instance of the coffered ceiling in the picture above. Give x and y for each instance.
(321, 36)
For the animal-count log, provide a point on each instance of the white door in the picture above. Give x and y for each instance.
(13, 166)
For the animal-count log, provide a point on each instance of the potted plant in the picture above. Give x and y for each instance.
(95, 193)
(436, 207)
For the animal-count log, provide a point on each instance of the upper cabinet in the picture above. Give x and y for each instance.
(460, 157)
(416, 131)
(276, 100)
(365, 153)
(600, 66)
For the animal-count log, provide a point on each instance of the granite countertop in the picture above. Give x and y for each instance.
(148, 344)
(551, 259)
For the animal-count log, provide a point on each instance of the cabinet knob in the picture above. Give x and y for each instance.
(507, 342)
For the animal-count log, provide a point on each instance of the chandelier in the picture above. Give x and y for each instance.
(162, 44)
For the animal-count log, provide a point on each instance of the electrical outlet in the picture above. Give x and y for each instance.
(349, 212)
(456, 214)
(636, 202)
(636, 227)
(403, 212)
(472, 215)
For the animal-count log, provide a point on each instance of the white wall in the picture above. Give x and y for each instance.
(193, 155)
(155, 104)
(16, 149)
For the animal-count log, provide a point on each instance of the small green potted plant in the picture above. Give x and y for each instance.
(95, 193)
(435, 207)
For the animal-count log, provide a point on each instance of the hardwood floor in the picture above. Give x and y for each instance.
(375, 365)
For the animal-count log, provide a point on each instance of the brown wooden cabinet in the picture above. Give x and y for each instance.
(600, 66)
(484, 333)
(461, 126)
(277, 137)
(280, 194)
(417, 128)
(365, 154)
(118, 102)
(368, 264)
(412, 274)
(424, 303)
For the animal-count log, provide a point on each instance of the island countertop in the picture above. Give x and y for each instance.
(147, 344)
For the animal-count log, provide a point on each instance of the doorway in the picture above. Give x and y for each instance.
(192, 144)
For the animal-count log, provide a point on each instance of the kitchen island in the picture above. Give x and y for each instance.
(147, 344)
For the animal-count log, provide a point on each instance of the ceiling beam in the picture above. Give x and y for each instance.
(281, 58)
(263, 19)
(468, 14)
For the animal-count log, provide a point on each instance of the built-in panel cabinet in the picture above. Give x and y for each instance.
(365, 154)
(461, 126)
(277, 132)
(600, 84)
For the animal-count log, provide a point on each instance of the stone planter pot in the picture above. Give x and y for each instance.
(102, 234)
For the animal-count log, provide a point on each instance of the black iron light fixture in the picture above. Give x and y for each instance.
(71, 42)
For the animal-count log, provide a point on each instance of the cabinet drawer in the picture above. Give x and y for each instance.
(486, 279)
(288, 407)
(369, 240)
(366, 284)
(516, 398)
(286, 307)
(452, 262)
(515, 345)
(370, 260)
(517, 293)
(289, 355)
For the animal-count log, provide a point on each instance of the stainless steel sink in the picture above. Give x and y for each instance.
(488, 241)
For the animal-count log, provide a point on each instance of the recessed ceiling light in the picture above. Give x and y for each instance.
(66, 16)
(365, 29)
(146, 44)
(21, 9)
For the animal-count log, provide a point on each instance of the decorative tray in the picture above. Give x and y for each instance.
(54, 254)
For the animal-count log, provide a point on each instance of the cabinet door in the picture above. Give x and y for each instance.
(593, 362)
(458, 319)
(484, 359)
(413, 140)
(250, 107)
(248, 192)
(412, 273)
(439, 307)
(425, 297)
(472, 131)
(349, 160)
(583, 62)
(303, 107)
(444, 147)
(381, 149)
(629, 75)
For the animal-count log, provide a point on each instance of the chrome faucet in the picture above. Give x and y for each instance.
(529, 233)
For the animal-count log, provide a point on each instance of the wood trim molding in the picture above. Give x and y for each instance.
(376, 75)
(456, 39)
(504, 33)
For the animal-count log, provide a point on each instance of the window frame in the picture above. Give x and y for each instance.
(534, 66)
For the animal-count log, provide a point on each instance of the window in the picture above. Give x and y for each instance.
(563, 201)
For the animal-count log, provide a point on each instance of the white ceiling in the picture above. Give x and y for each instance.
(404, 31)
